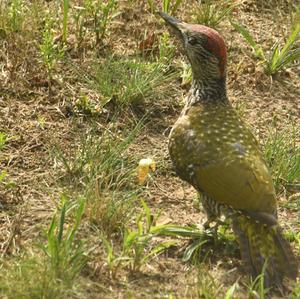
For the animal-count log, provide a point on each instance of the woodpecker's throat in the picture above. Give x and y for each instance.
(212, 92)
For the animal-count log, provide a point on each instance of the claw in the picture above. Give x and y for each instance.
(213, 229)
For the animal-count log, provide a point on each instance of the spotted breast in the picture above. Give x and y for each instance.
(214, 151)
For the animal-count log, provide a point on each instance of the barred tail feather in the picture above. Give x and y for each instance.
(262, 244)
(286, 255)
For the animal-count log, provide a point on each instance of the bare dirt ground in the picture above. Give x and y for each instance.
(35, 121)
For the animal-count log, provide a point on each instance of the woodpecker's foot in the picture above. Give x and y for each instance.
(213, 230)
(210, 218)
(207, 223)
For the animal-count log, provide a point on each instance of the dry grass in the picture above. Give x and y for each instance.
(80, 105)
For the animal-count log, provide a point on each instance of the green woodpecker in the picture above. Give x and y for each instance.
(215, 152)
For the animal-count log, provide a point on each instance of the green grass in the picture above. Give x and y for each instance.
(99, 13)
(207, 286)
(197, 236)
(28, 278)
(293, 204)
(200, 240)
(186, 73)
(296, 292)
(137, 247)
(107, 178)
(102, 169)
(212, 13)
(16, 15)
(167, 6)
(66, 255)
(278, 57)
(66, 8)
(282, 57)
(283, 154)
(256, 288)
(166, 49)
(51, 269)
(100, 154)
(230, 293)
(294, 236)
(103, 14)
(133, 81)
(3, 139)
(111, 212)
(50, 51)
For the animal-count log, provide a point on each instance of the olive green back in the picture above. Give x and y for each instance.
(214, 151)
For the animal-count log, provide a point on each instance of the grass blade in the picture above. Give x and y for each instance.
(175, 7)
(291, 40)
(65, 19)
(192, 248)
(258, 51)
(177, 230)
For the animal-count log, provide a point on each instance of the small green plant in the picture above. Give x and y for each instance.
(101, 158)
(40, 122)
(28, 277)
(3, 175)
(98, 12)
(86, 106)
(101, 168)
(137, 248)
(3, 139)
(282, 57)
(278, 57)
(50, 51)
(257, 49)
(186, 73)
(136, 242)
(66, 7)
(294, 236)
(79, 20)
(50, 273)
(167, 6)
(16, 15)
(283, 154)
(231, 291)
(111, 211)
(131, 82)
(102, 18)
(166, 49)
(257, 289)
(206, 286)
(66, 255)
(198, 237)
(296, 292)
(211, 14)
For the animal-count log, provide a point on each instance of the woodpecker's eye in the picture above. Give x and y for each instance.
(192, 40)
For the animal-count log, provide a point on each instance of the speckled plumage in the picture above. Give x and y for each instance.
(214, 151)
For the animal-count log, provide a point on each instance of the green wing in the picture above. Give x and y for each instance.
(242, 182)
(215, 152)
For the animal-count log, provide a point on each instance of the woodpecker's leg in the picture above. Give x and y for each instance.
(213, 213)
(209, 211)
(211, 218)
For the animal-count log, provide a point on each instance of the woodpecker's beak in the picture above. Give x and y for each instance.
(175, 24)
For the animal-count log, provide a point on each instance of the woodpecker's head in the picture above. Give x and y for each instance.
(204, 47)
